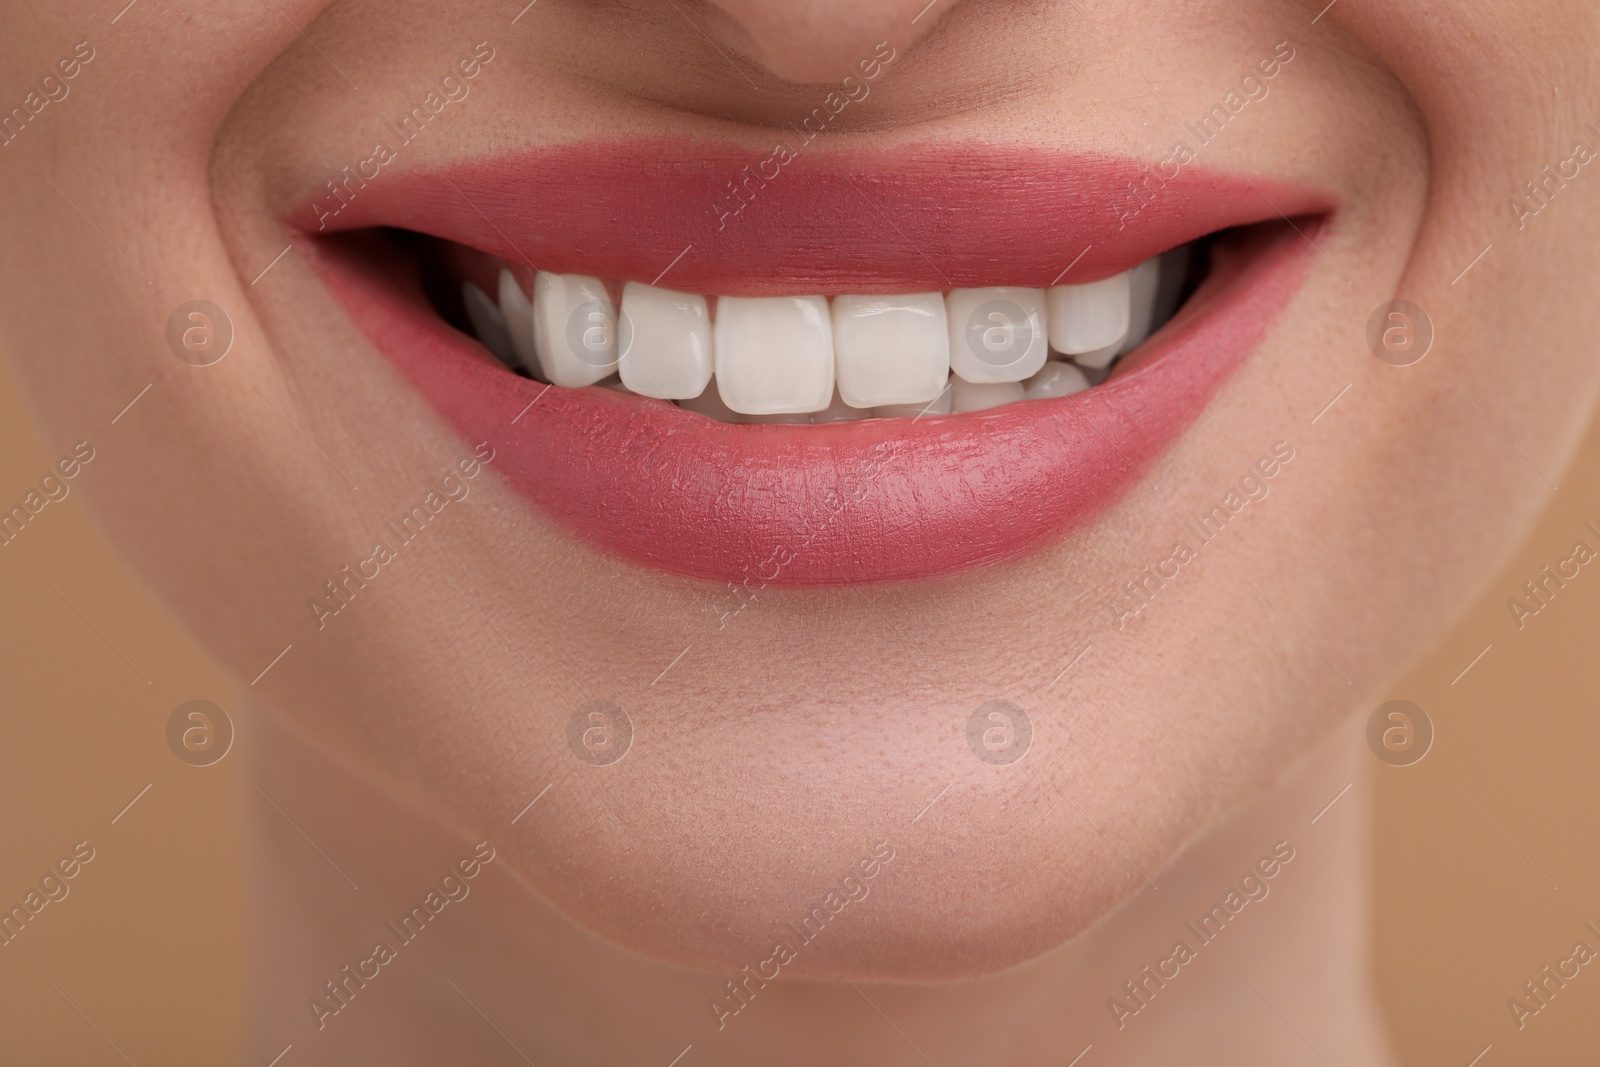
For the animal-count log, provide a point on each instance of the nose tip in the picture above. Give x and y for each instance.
(823, 40)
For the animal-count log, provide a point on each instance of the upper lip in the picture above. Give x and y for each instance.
(820, 504)
(913, 219)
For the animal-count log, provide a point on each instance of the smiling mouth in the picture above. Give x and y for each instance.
(909, 415)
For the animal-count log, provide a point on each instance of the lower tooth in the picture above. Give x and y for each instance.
(980, 396)
(1056, 379)
(489, 323)
(1098, 357)
(1096, 375)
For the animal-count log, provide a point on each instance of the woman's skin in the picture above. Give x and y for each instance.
(772, 754)
(563, 995)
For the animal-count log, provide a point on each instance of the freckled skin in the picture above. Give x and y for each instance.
(780, 735)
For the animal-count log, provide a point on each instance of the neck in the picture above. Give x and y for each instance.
(1202, 965)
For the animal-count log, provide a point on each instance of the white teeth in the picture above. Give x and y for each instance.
(1084, 318)
(890, 349)
(798, 360)
(943, 404)
(1143, 281)
(1099, 358)
(774, 355)
(980, 396)
(997, 334)
(664, 342)
(488, 322)
(709, 404)
(519, 323)
(574, 329)
(838, 411)
(1056, 379)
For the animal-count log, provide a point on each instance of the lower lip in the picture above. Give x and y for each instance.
(843, 503)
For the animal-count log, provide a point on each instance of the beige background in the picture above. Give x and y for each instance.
(146, 956)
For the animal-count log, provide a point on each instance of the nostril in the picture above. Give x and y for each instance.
(814, 42)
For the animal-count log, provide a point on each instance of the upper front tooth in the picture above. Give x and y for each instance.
(890, 349)
(997, 334)
(488, 322)
(968, 396)
(1086, 317)
(574, 329)
(774, 354)
(665, 342)
(518, 312)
